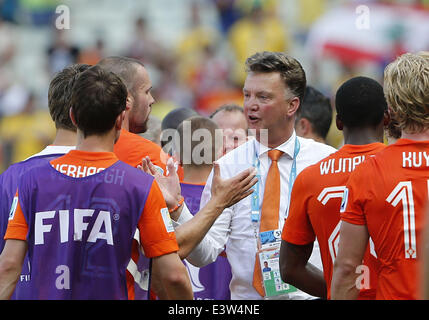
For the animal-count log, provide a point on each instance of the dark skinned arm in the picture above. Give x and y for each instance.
(297, 271)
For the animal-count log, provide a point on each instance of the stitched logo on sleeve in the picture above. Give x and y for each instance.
(13, 208)
(167, 220)
(345, 200)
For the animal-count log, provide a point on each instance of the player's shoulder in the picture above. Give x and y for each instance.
(150, 144)
(130, 137)
(314, 174)
(385, 155)
(368, 168)
(17, 169)
(131, 171)
(12, 170)
(131, 148)
(319, 161)
(9, 176)
(27, 173)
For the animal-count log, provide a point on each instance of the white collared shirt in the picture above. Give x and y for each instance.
(51, 149)
(234, 227)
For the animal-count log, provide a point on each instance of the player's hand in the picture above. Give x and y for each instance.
(169, 185)
(230, 191)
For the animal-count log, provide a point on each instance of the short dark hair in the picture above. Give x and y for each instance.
(59, 95)
(360, 102)
(124, 67)
(197, 122)
(317, 109)
(231, 107)
(98, 97)
(173, 119)
(289, 68)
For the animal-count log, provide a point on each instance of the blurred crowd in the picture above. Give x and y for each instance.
(204, 68)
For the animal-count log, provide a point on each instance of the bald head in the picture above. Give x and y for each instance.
(139, 100)
(124, 67)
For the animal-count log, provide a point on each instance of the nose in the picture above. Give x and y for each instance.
(152, 99)
(251, 103)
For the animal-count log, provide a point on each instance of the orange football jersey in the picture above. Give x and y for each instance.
(132, 148)
(389, 193)
(315, 208)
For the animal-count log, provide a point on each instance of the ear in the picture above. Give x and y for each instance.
(293, 106)
(339, 123)
(303, 127)
(73, 120)
(129, 102)
(119, 120)
(386, 118)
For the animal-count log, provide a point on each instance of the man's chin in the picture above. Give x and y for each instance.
(139, 129)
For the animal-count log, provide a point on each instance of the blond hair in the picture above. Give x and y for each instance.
(406, 88)
(424, 54)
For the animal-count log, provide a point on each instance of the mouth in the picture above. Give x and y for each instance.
(252, 119)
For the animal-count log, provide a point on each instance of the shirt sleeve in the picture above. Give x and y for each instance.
(17, 226)
(297, 228)
(185, 216)
(355, 196)
(156, 229)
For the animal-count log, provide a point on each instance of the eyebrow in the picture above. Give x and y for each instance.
(259, 92)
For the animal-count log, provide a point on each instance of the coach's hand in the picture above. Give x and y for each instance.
(230, 191)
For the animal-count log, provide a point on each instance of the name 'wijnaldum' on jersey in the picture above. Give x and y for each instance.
(339, 165)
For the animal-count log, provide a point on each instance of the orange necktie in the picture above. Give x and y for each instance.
(270, 210)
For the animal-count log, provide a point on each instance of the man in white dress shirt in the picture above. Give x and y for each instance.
(273, 91)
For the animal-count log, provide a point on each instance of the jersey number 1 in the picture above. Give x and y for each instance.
(403, 193)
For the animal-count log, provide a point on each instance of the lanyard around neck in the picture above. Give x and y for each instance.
(256, 210)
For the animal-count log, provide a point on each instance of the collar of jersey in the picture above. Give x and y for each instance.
(355, 148)
(92, 156)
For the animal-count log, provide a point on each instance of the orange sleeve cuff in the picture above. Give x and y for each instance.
(157, 235)
(17, 232)
(161, 248)
(297, 238)
(353, 218)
